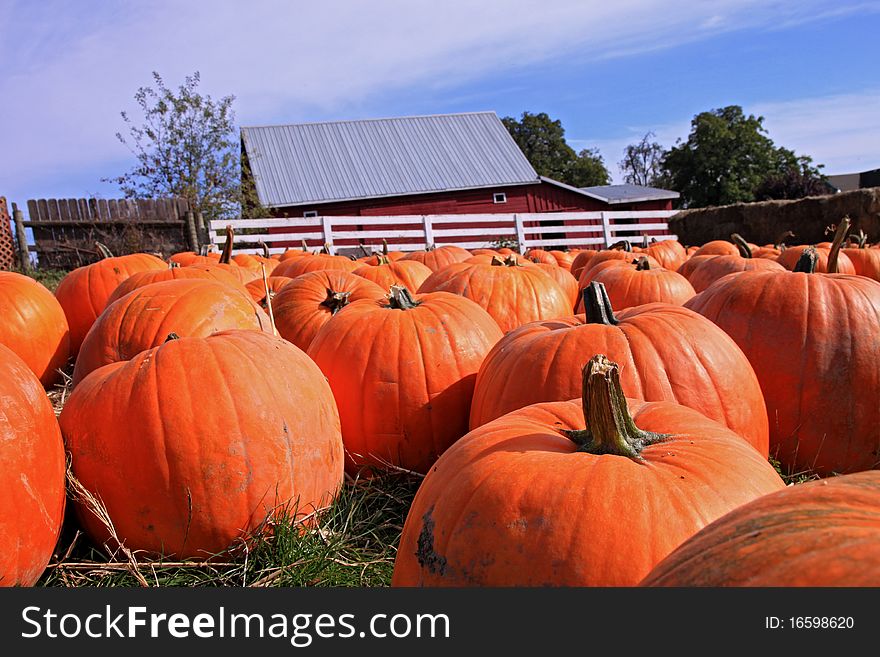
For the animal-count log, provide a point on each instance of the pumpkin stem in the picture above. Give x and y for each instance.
(226, 256)
(364, 250)
(383, 259)
(509, 261)
(807, 262)
(103, 250)
(172, 336)
(645, 242)
(779, 242)
(597, 305)
(335, 301)
(839, 236)
(305, 247)
(642, 264)
(742, 245)
(265, 248)
(400, 298)
(384, 246)
(623, 245)
(611, 429)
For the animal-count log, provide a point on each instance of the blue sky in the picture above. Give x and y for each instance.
(609, 71)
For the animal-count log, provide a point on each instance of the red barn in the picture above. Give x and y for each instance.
(421, 165)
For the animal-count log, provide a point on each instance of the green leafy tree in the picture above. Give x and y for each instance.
(641, 162)
(186, 145)
(542, 140)
(726, 159)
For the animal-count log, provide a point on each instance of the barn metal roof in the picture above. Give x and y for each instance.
(629, 193)
(310, 163)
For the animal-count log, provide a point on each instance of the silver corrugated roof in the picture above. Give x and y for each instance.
(629, 193)
(345, 160)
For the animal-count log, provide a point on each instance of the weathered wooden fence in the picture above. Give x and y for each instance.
(65, 230)
(7, 244)
(413, 232)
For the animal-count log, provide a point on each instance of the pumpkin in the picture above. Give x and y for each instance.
(580, 261)
(669, 253)
(588, 492)
(865, 261)
(293, 267)
(376, 258)
(191, 445)
(257, 288)
(32, 476)
(565, 280)
(790, 257)
(308, 302)
(691, 362)
(812, 339)
(402, 370)
(540, 255)
(511, 293)
(563, 258)
(637, 284)
(821, 533)
(408, 273)
(687, 268)
(256, 263)
(143, 319)
(187, 258)
(83, 293)
(707, 272)
(436, 259)
(34, 325)
(191, 272)
(718, 247)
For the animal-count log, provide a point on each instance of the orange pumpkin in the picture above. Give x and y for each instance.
(408, 273)
(707, 272)
(191, 272)
(34, 325)
(293, 267)
(402, 370)
(639, 283)
(669, 253)
(32, 476)
(565, 280)
(143, 319)
(304, 305)
(656, 338)
(191, 446)
(83, 293)
(536, 499)
(257, 288)
(436, 259)
(790, 257)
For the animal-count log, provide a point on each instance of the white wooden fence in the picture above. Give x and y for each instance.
(414, 232)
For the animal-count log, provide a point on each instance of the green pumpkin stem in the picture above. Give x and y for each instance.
(806, 264)
(383, 259)
(103, 250)
(400, 298)
(335, 301)
(611, 429)
(839, 236)
(597, 305)
(742, 245)
(384, 247)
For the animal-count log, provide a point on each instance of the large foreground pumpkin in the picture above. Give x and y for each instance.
(83, 293)
(33, 325)
(666, 353)
(192, 445)
(814, 342)
(535, 499)
(31, 474)
(821, 533)
(402, 370)
(143, 319)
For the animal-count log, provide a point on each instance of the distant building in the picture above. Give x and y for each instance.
(847, 182)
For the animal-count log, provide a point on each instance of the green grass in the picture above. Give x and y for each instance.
(352, 543)
(48, 277)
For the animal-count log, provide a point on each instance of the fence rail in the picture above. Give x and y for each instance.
(413, 232)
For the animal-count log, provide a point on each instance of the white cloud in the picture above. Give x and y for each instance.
(69, 71)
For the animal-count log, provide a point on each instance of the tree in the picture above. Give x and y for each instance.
(641, 162)
(187, 146)
(796, 178)
(725, 159)
(542, 140)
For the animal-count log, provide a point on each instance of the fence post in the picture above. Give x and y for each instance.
(606, 229)
(327, 228)
(520, 233)
(191, 235)
(24, 257)
(429, 230)
(201, 227)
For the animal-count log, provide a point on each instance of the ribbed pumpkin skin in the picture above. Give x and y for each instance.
(821, 533)
(191, 272)
(790, 256)
(32, 474)
(628, 286)
(688, 266)
(187, 258)
(299, 308)
(717, 247)
(403, 379)
(438, 258)
(669, 253)
(218, 445)
(709, 271)
(83, 293)
(33, 325)
(294, 267)
(144, 318)
(690, 361)
(866, 262)
(813, 341)
(514, 503)
(565, 280)
(513, 296)
(540, 256)
(581, 259)
(257, 288)
(256, 263)
(408, 273)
